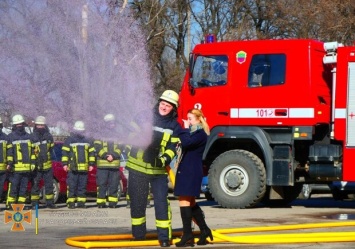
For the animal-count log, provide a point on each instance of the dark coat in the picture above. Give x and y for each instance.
(189, 173)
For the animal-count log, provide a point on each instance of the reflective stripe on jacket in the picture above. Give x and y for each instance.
(20, 151)
(43, 146)
(78, 153)
(162, 144)
(103, 149)
(3, 146)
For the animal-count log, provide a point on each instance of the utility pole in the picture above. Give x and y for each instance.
(85, 88)
(188, 30)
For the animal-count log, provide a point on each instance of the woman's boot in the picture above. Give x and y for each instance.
(187, 236)
(205, 231)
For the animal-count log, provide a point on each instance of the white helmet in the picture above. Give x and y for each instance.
(109, 117)
(79, 126)
(17, 119)
(40, 120)
(171, 97)
(0, 121)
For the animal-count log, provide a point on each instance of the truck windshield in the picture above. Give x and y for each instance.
(209, 71)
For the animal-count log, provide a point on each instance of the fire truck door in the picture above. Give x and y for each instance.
(210, 88)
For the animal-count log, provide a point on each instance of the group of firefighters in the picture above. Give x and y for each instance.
(27, 157)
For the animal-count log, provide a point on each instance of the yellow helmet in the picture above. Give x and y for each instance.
(109, 117)
(171, 97)
(17, 119)
(79, 126)
(40, 120)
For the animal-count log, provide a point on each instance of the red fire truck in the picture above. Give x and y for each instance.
(281, 113)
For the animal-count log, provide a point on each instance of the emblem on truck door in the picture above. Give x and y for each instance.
(241, 57)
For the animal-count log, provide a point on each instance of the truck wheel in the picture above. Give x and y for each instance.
(306, 192)
(120, 189)
(42, 194)
(237, 179)
(338, 195)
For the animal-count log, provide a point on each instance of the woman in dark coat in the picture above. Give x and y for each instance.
(189, 176)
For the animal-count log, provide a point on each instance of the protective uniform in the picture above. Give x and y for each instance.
(147, 166)
(149, 198)
(108, 166)
(3, 159)
(44, 143)
(78, 155)
(20, 158)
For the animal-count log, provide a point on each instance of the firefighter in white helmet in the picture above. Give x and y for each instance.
(78, 157)
(3, 159)
(108, 152)
(20, 159)
(147, 166)
(44, 142)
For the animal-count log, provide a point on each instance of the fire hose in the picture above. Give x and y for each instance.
(125, 240)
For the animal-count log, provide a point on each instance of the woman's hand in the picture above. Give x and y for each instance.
(186, 123)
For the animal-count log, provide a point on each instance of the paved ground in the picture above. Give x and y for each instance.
(54, 226)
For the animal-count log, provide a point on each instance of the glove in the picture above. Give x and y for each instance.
(33, 167)
(65, 167)
(160, 162)
(10, 167)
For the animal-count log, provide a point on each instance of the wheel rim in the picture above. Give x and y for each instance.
(42, 194)
(234, 180)
(306, 190)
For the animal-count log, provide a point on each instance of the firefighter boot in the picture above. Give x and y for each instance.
(81, 204)
(205, 231)
(51, 205)
(112, 204)
(71, 205)
(35, 205)
(187, 237)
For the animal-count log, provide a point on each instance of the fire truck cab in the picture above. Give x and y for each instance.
(280, 114)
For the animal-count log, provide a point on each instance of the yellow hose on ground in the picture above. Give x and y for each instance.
(123, 240)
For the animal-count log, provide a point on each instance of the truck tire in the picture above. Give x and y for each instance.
(306, 192)
(339, 195)
(237, 179)
(120, 190)
(42, 194)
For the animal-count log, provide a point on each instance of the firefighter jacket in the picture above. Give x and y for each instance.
(3, 145)
(44, 143)
(105, 148)
(163, 144)
(20, 151)
(78, 153)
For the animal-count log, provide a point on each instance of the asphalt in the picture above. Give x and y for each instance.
(55, 226)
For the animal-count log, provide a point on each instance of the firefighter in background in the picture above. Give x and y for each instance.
(44, 143)
(78, 157)
(108, 165)
(20, 158)
(147, 166)
(3, 159)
